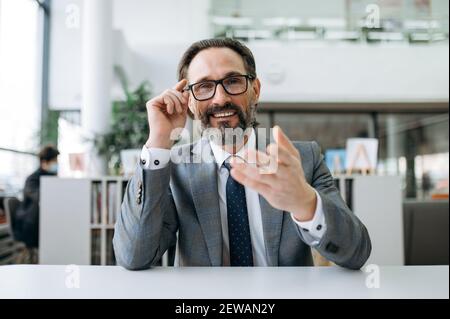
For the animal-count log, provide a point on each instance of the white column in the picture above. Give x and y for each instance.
(97, 67)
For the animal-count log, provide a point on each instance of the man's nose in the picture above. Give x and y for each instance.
(221, 97)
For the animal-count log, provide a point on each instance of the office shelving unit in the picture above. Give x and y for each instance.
(77, 219)
(377, 202)
(78, 215)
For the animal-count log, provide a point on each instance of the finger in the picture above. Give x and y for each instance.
(282, 140)
(164, 102)
(169, 104)
(280, 153)
(253, 172)
(177, 102)
(182, 98)
(252, 156)
(157, 102)
(269, 160)
(180, 85)
(242, 178)
(186, 96)
(257, 157)
(266, 164)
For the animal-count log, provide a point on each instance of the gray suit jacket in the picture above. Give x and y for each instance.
(184, 198)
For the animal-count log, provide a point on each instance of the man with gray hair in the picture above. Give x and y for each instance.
(231, 211)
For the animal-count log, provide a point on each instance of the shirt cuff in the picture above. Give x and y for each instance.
(154, 158)
(317, 226)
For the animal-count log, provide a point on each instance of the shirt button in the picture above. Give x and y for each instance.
(143, 161)
(156, 162)
(319, 227)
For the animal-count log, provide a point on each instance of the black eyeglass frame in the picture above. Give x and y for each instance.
(217, 82)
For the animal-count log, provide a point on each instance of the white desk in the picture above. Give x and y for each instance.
(31, 281)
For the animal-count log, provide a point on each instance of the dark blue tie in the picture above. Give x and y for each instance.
(238, 225)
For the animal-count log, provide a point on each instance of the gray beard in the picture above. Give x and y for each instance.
(228, 135)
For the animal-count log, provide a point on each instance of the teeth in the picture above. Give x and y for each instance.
(223, 114)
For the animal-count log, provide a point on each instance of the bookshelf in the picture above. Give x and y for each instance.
(7, 246)
(77, 218)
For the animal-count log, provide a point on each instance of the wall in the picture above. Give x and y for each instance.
(326, 72)
(285, 8)
(169, 21)
(136, 23)
(156, 33)
(65, 54)
(342, 73)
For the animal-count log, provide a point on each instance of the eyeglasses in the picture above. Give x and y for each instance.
(233, 85)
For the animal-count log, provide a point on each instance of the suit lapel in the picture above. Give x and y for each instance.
(203, 179)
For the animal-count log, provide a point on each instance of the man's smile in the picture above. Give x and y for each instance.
(224, 114)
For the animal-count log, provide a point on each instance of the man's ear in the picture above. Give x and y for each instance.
(191, 108)
(256, 85)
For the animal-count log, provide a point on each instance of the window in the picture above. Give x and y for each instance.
(414, 146)
(20, 89)
(329, 130)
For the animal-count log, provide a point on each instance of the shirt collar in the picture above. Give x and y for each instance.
(220, 155)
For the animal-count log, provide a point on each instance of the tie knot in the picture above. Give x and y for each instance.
(227, 165)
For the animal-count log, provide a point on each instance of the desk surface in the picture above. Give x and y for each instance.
(32, 281)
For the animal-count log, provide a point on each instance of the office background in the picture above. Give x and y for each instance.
(330, 71)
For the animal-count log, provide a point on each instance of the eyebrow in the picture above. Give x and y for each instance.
(207, 78)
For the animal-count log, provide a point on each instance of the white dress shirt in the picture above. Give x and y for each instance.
(157, 158)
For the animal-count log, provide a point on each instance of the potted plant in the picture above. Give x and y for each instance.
(129, 125)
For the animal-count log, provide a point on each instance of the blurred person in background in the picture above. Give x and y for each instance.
(27, 217)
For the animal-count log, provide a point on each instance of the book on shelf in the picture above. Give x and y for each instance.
(112, 202)
(6, 257)
(6, 243)
(2, 216)
(96, 247)
(96, 203)
(107, 196)
(110, 257)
